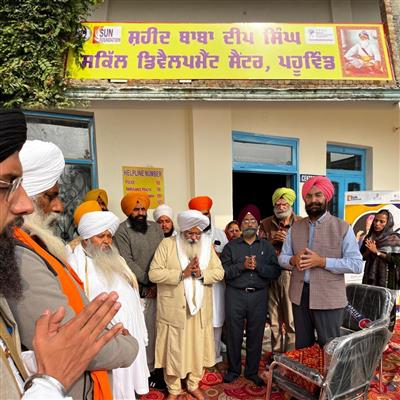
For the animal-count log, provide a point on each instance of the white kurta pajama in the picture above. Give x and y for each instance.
(126, 381)
(216, 234)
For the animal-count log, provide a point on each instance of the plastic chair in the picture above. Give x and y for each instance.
(350, 362)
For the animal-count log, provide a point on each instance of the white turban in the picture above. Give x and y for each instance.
(191, 218)
(161, 210)
(96, 222)
(42, 165)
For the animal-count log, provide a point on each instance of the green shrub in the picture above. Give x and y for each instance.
(35, 36)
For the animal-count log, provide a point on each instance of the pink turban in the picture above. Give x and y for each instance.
(321, 182)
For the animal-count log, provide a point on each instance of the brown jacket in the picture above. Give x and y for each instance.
(270, 226)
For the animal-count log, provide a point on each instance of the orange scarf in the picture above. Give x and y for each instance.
(101, 383)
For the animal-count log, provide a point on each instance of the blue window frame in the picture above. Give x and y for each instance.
(266, 154)
(73, 132)
(279, 154)
(346, 168)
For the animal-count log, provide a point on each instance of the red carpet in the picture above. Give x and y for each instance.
(242, 389)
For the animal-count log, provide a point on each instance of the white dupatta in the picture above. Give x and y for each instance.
(204, 259)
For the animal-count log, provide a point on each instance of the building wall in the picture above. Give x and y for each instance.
(193, 142)
(150, 135)
(363, 11)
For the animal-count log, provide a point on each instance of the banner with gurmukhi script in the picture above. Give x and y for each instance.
(145, 179)
(232, 51)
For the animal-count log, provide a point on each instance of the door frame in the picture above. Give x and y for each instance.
(344, 177)
(268, 168)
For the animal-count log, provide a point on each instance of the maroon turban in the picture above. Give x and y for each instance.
(321, 182)
(249, 209)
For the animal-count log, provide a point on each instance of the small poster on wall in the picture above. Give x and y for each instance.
(360, 209)
(145, 179)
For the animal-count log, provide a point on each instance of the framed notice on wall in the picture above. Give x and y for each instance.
(359, 212)
(145, 179)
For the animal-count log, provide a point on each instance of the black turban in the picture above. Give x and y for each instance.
(12, 132)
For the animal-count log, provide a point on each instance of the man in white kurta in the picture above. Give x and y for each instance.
(101, 269)
(185, 267)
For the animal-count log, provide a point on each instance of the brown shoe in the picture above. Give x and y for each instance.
(197, 394)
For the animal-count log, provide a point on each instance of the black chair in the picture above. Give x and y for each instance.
(374, 303)
(371, 303)
(350, 362)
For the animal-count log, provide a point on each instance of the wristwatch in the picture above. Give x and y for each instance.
(378, 253)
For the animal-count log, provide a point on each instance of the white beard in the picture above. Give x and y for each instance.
(40, 225)
(190, 249)
(283, 215)
(109, 263)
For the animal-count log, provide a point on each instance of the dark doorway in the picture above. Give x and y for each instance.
(256, 188)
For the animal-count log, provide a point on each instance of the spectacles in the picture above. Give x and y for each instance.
(249, 221)
(10, 187)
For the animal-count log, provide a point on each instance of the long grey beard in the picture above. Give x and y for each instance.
(107, 263)
(42, 226)
(191, 249)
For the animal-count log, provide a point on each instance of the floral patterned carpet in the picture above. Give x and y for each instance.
(242, 389)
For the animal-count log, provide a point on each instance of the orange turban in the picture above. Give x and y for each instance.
(84, 208)
(129, 201)
(95, 193)
(200, 203)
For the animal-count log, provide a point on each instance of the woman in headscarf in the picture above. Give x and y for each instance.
(381, 252)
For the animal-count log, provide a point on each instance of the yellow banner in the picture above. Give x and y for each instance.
(232, 51)
(148, 180)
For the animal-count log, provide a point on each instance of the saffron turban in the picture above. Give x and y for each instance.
(95, 194)
(96, 222)
(129, 201)
(42, 165)
(288, 194)
(322, 183)
(249, 209)
(84, 208)
(192, 218)
(12, 132)
(200, 203)
(161, 210)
